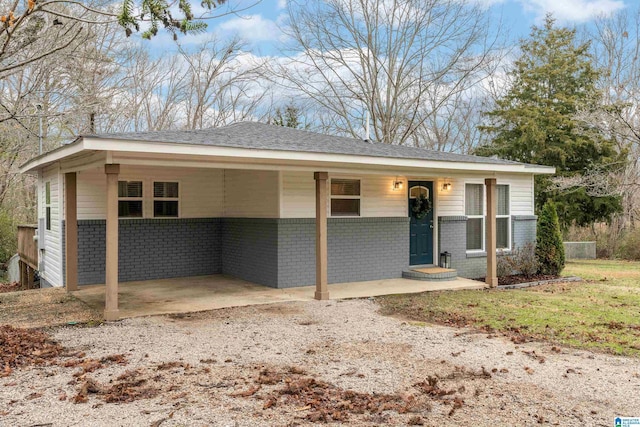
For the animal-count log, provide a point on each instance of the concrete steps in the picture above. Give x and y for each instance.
(430, 273)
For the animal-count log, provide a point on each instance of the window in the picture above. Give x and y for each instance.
(474, 210)
(165, 199)
(47, 204)
(418, 190)
(130, 199)
(503, 218)
(345, 197)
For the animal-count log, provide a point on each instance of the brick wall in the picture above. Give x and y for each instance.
(250, 249)
(151, 249)
(452, 237)
(359, 249)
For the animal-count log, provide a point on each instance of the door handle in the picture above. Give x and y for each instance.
(431, 226)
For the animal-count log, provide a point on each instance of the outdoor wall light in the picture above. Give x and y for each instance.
(398, 185)
(446, 186)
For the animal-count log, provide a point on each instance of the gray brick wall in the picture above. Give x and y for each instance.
(359, 249)
(452, 237)
(151, 249)
(250, 249)
(523, 229)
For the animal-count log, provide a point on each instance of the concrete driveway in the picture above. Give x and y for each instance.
(189, 294)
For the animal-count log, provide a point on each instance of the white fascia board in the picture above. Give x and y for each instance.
(52, 156)
(116, 146)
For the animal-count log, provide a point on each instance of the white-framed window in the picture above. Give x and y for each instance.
(130, 196)
(503, 217)
(166, 199)
(47, 204)
(474, 210)
(345, 197)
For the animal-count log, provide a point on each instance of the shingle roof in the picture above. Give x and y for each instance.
(270, 137)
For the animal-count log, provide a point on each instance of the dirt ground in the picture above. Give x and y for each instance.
(300, 363)
(43, 307)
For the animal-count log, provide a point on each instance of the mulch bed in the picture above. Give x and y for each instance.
(519, 278)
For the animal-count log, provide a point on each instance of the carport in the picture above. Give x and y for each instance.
(201, 293)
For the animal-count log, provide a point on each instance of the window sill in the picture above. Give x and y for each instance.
(483, 254)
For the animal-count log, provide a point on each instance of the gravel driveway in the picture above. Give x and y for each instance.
(245, 366)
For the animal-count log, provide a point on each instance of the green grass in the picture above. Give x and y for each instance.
(602, 313)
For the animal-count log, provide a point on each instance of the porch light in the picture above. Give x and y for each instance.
(397, 184)
(445, 259)
(446, 185)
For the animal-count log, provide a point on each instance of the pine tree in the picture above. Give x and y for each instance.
(536, 121)
(290, 118)
(549, 248)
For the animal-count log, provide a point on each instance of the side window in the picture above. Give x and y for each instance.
(474, 210)
(345, 197)
(166, 199)
(503, 217)
(47, 204)
(130, 199)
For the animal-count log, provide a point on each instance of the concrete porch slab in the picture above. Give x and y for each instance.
(190, 294)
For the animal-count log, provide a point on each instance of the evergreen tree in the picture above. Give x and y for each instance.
(289, 117)
(536, 121)
(549, 248)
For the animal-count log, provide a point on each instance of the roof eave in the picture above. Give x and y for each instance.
(89, 143)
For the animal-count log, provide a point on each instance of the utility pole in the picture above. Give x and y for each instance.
(39, 108)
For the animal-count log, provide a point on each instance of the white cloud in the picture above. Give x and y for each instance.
(282, 4)
(572, 10)
(252, 28)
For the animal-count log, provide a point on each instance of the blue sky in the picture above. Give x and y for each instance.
(259, 23)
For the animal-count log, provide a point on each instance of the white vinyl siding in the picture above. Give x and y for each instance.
(250, 194)
(451, 203)
(52, 259)
(377, 197)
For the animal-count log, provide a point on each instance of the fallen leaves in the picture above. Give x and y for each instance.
(129, 386)
(24, 347)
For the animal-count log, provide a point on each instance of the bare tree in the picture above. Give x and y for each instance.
(616, 49)
(401, 60)
(223, 84)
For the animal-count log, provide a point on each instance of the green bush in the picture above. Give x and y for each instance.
(630, 247)
(8, 237)
(549, 248)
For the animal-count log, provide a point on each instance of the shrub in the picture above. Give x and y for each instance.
(630, 247)
(503, 266)
(523, 260)
(549, 248)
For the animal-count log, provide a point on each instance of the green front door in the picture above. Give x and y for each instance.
(420, 229)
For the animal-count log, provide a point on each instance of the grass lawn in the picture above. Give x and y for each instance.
(602, 313)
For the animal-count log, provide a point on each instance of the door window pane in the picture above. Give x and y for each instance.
(418, 190)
